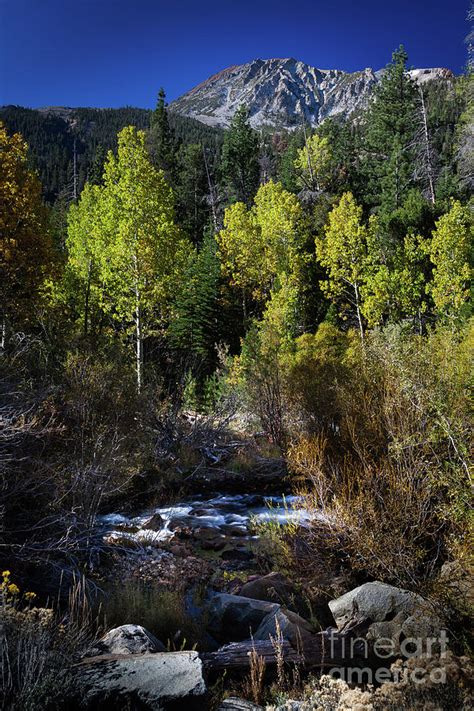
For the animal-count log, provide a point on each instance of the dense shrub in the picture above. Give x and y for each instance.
(392, 473)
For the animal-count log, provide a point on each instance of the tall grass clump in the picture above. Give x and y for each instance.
(39, 645)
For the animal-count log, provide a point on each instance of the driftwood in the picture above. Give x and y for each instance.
(324, 650)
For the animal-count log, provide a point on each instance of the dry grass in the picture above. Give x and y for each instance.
(38, 647)
(383, 515)
(162, 612)
(254, 685)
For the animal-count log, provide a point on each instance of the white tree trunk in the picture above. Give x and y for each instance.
(139, 344)
(308, 158)
(212, 193)
(359, 315)
(3, 332)
(426, 139)
(138, 329)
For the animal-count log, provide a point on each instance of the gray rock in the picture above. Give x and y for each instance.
(457, 581)
(235, 618)
(205, 533)
(235, 531)
(396, 615)
(202, 512)
(127, 639)
(149, 681)
(415, 629)
(375, 601)
(291, 627)
(216, 544)
(238, 554)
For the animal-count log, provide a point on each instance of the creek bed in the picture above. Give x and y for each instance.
(225, 514)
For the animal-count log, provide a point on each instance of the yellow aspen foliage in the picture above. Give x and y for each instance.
(343, 251)
(313, 163)
(259, 243)
(451, 253)
(25, 247)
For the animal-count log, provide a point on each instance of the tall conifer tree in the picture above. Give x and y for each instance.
(391, 125)
(239, 167)
(195, 327)
(163, 144)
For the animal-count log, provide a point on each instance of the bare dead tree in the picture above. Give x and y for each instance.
(426, 154)
(212, 192)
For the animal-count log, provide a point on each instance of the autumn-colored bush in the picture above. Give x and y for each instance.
(392, 474)
(313, 371)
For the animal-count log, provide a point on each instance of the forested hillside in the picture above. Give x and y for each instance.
(55, 135)
(199, 326)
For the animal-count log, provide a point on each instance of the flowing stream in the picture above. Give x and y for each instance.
(225, 514)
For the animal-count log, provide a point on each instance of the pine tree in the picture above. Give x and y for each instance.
(286, 173)
(389, 141)
(344, 169)
(163, 144)
(239, 164)
(96, 170)
(465, 129)
(192, 191)
(194, 327)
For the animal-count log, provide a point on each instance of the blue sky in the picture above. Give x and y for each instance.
(119, 52)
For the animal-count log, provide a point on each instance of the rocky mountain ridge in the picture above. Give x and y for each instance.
(282, 93)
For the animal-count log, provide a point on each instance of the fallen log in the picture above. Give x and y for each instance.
(237, 655)
(326, 649)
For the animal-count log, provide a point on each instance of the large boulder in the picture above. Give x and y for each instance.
(209, 539)
(376, 601)
(395, 615)
(127, 639)
(149, 681)
(273, 587)
(235, 618)
(286, 624)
